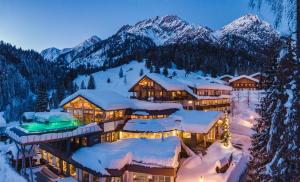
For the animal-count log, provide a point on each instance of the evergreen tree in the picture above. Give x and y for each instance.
(165, 71)
(226, 135)
(42, 99)
(157, 70)
(174, 73)
(258, 150)
(91, 83)
(121, 73)
(141, 72)
(275, 151)
(281, 145)
(151, 69)
(148, 64)
(82, 85)
(108, 80)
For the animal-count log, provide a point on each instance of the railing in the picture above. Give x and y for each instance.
(35, 138)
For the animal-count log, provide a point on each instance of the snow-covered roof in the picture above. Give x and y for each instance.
(224, 76)
(196, 121)
(167, 83)
(110, 100)
(106, 99)
(185, 120)
(151, 125)
(205, 84)
(47, 116)
(243, 76)
(144, 152)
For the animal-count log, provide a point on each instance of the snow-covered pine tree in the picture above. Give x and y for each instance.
(165, 71)
(121, 73)
(174, 73)
(284, 124)
(157, 70)
(91, 83)
(258, 150)
(151, 69)
(82, 85)
(42, 99)
(141, 72)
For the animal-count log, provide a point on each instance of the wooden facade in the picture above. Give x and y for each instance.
(244, 83)
(88, 112)
(262, 80)
(148, 89)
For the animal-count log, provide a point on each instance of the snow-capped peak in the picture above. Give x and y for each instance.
(87, 43)
(170, 29)
(250, 27)
(51, 53)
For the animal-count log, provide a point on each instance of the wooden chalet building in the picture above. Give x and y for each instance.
(261, 77)
(244, 82)
(199, 94)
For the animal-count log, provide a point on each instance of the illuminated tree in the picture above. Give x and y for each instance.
(226, 132)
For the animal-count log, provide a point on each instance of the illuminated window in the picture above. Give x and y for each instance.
(186, 135)
(72, 170)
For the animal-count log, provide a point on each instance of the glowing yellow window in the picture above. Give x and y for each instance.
(186, 135)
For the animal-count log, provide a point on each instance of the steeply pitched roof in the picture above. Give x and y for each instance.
(243, 76)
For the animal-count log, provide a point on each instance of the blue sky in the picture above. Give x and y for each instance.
(39, 24)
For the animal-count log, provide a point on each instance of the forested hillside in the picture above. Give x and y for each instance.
(21, 74)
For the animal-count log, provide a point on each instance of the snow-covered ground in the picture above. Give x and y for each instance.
(198, 168)
(7, 174)
(131, 74)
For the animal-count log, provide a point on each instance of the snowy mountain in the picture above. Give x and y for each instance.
(134, 42)
(171, 29)
(247, 32)
(51, 53)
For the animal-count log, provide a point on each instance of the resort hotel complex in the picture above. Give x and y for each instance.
(102, 136)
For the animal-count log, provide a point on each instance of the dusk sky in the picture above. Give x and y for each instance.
(40, 24)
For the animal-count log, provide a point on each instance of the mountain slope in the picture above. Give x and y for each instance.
(21, 73)
(247, 35)
(247, 32)
(170, 30)
(53, 54)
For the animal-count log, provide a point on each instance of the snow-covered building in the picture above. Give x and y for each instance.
(196, 94)
(261, 77)
(102, 135)
(244, 82)
(193, 127)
